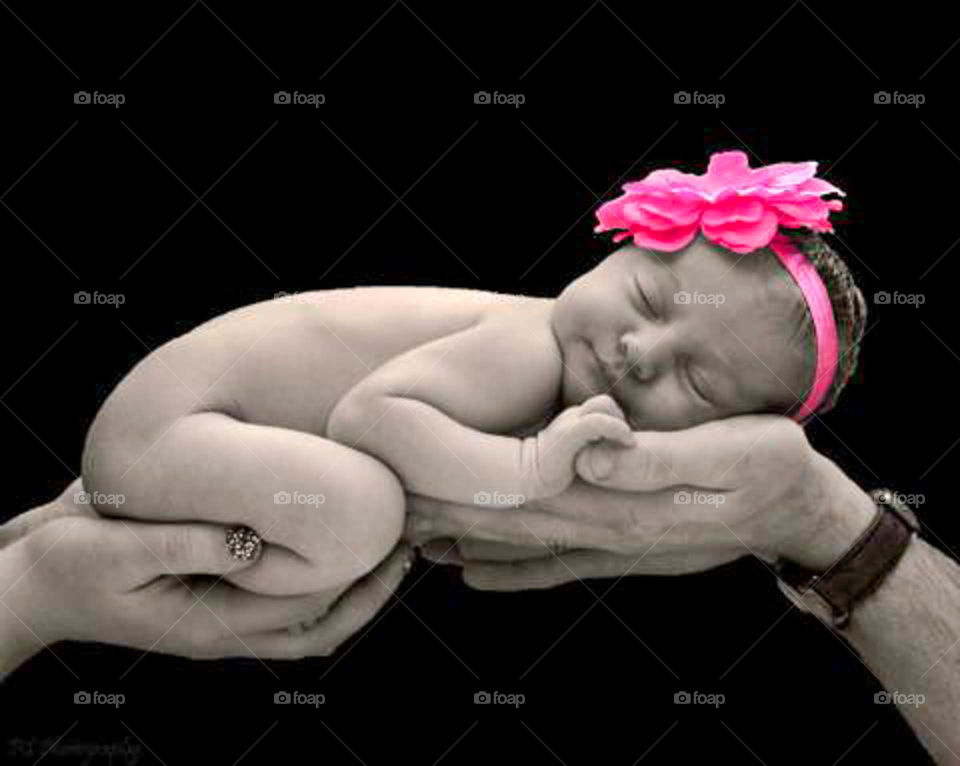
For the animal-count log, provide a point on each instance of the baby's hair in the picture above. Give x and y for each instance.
(849, 310)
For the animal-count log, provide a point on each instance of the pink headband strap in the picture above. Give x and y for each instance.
(821, 311)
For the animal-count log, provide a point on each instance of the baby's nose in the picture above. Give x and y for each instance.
(643, 356)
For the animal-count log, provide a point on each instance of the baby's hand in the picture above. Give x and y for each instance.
(573, 429)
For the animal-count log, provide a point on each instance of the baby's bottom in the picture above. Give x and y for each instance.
(328, 514)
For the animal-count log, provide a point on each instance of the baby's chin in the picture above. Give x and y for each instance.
(574, 392)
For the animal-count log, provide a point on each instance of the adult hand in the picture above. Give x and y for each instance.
(66, 573)
(676, 502)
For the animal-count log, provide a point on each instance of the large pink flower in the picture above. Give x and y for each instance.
(734, 205)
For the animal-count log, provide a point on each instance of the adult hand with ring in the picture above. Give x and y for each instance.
(68, 574)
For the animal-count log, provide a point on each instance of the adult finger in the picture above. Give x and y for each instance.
(446, 551)
(566, 567)
(443, 550)
(242, 612)
(485, 550)
(546, 572)
(514, 526)
(26, 522)
(65, 505)
(711, 454)
(357, 607)
(178, 548)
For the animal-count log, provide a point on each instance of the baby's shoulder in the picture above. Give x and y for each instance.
(520, 318)
(506, 310)
(519, 337)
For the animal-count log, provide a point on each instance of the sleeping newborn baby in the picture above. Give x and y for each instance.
(307, 418)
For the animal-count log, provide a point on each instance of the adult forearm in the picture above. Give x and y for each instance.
(17, 640)
(908, 633)
(908, 630)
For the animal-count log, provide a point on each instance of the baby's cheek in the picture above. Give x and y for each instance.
(656, 409)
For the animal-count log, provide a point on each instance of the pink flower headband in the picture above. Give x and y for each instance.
(741, 209)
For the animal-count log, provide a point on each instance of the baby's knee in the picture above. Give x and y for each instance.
(102, 483)
(379, 505)
(369, 505)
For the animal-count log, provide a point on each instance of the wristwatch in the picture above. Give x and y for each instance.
(831, 595)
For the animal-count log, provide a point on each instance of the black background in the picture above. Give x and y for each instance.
(502, 198)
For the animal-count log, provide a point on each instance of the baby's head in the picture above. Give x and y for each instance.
(679, 338)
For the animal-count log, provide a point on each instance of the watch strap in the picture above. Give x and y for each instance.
(866, 563)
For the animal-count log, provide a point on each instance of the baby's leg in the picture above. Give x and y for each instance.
(328, 513)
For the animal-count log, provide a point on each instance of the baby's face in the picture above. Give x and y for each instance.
(682, 338)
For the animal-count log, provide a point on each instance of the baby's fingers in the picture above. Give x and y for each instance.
(597, 426)
(602, 403)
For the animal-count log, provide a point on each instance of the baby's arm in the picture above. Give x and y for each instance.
(433, 414)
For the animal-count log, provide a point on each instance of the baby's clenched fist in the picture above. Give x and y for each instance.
(557, 446)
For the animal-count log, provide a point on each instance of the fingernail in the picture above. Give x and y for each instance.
(601, 463)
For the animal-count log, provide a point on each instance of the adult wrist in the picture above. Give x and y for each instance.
(837, 510)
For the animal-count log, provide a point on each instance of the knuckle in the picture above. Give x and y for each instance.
(786, 443)
(176, 544)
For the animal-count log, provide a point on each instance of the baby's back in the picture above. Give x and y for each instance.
(287, 361)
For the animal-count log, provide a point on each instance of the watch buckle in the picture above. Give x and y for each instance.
(811, 601)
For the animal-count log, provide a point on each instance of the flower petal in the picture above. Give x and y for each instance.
(667, 241)
(743, 236)
(734, 208)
